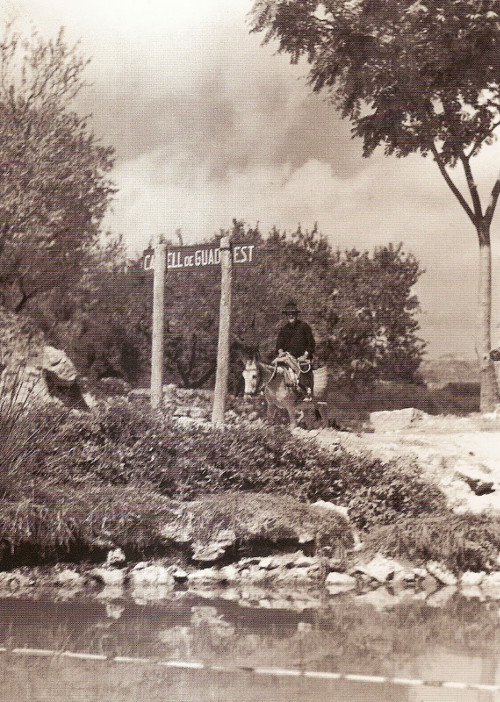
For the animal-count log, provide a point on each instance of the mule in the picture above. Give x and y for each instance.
(278, 393)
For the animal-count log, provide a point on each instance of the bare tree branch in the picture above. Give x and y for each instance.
(452, 186)
(490, 210)
(471, 184)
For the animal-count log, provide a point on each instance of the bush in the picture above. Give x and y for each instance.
(70, 478)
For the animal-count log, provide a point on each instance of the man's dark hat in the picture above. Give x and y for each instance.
(290, 308)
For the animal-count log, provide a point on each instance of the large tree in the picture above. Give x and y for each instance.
(54, 184)
(415, 77)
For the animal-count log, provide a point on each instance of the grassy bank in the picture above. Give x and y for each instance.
(72, 485)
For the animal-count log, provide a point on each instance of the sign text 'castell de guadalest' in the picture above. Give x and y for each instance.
(201, 257)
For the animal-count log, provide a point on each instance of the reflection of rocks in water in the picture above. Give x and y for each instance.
(145, 574)
(177, 640)
(114, 611)
(210, 630)
(142, 594)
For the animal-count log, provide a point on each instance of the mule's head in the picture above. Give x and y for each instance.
(251, 376)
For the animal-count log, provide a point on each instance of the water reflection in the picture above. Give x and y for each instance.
(458, 642)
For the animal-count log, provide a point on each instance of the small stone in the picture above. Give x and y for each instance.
(115, 557)
(180, 575)
(212, 552)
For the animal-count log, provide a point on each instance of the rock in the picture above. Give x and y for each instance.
(206, 576)
(419, 573)
(180, 575)
(396, 419)
(108, 576)
(337, 583)
(441, 573)
(330, 507)
(56, 362)
(214, 551)
(31, 372)
(470, 578)
(404, 578)
(115, 557)
(144, 574)
(230, 573)
(69, 578)
(14, 581)
(379, 568)
(476, 481)
(198, 413)
(180, 533)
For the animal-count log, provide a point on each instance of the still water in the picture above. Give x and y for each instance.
(456, 643)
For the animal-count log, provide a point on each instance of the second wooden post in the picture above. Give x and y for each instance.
(222, 373)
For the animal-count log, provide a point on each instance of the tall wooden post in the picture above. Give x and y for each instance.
(160, 262)
(222, 373)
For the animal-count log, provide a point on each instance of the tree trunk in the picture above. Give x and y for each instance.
(489, 388)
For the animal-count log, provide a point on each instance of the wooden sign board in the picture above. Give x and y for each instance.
(202, 257)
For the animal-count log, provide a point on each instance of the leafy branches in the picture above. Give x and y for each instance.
(54, 184)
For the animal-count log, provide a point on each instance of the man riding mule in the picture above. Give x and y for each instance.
(295, 348)
(282, 381)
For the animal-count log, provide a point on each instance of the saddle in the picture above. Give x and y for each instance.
(291, 369)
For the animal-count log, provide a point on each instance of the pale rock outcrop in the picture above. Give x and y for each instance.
(379, 568)
(32, 372)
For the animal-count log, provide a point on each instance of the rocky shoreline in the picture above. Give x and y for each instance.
(280, 581)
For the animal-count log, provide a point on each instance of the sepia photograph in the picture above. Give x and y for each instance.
(249, 351)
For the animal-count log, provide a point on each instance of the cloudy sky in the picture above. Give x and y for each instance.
(209, 125)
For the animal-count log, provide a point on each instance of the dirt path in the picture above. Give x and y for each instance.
(460, 454)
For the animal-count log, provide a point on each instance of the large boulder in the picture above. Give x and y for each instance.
(33, 372)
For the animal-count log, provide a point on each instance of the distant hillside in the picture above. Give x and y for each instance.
(450, 368)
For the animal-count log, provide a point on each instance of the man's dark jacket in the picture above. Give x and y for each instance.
(296, 338)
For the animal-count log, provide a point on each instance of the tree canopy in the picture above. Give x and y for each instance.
(406, 73)
(54, 185)
(412, 76)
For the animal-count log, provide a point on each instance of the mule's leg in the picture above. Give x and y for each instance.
(271, 412)
(291, 413)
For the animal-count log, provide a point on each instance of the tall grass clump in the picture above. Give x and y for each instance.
(462, 542)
